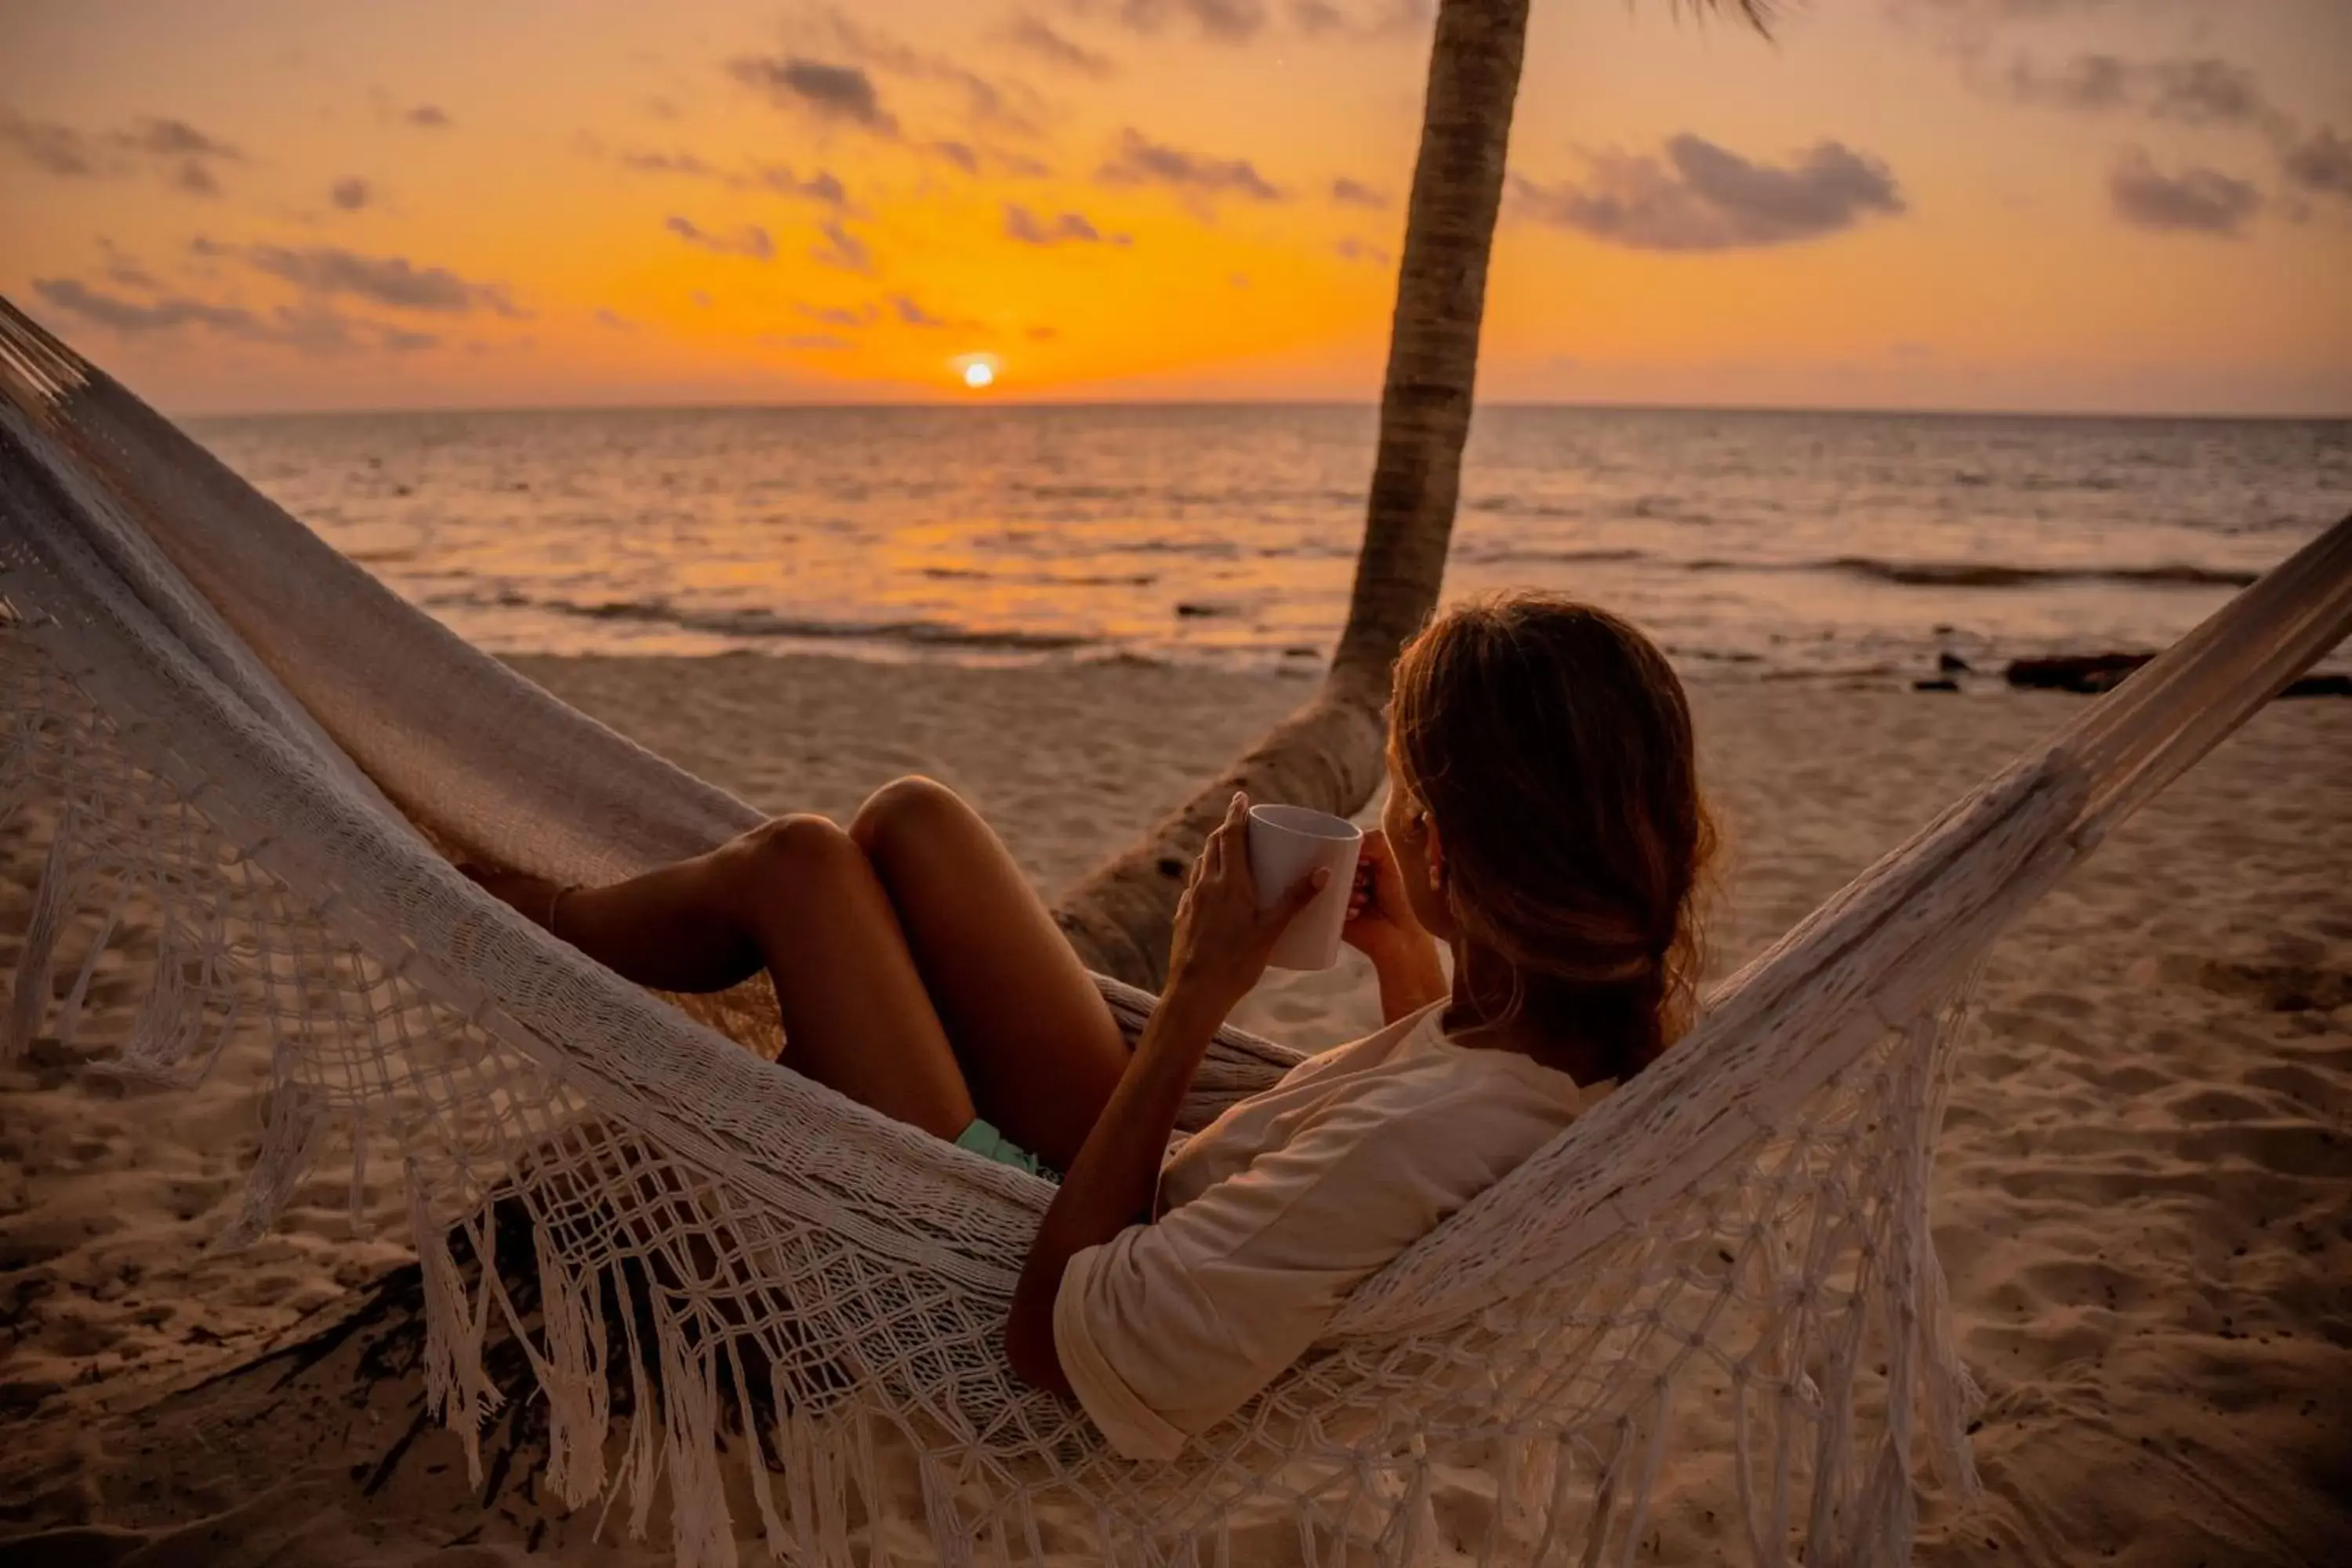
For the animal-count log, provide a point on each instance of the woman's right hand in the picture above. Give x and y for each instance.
(1381, 926)
(1380, 922)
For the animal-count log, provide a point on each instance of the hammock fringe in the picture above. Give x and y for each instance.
(241, 765)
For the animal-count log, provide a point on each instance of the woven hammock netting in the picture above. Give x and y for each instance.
(209, 716)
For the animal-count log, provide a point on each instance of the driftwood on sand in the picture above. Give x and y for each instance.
(2090, 674)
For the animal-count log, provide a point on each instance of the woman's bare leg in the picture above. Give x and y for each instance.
(1037, 1044)
(665, 929)
(797, 895)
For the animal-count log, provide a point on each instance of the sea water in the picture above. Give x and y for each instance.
(1860, 545)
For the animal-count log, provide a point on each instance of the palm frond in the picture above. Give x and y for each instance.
(1757, 13)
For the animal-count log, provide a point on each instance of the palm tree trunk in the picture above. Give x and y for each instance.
(1328, 753)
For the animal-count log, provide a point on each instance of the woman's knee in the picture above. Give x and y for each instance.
(910, 810)
(796, 850)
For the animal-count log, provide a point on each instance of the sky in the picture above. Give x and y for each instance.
(2115, 205)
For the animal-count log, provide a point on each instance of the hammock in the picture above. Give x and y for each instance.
(216, 717)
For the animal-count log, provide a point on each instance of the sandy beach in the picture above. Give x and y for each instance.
(2144, 1194)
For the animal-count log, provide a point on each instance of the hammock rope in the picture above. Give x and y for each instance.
(226, 729)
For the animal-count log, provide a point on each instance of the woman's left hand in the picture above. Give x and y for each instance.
(1222, 938)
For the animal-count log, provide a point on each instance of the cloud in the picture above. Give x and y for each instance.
(2320, 164)
(749, 240)
(2189, 90)
(1142, 162)
(130, 316)
(428, 117)
(351, 194)
(2194, 200)
(121, 267)
(309, 328)
(843, 95)
(1316, 17)
(177, 138)
(842, 248)
(1026, 227)
(2090, 83)
(1226, 21)
(1354, 193)
(2206, 91)
(1239, 21)
(1701, 197)
(1967, 26)
(1353, 249)
(779, 179)
(775, 179)
(172, 151)
(647, 161)
(607, 317)
(976, 160)
(2200, 91)
(913, 313)
(51, 148)
(1032, 37)
(987, 103)
(838, 315)
(1389, 19)
(393, 280)
(809, 340)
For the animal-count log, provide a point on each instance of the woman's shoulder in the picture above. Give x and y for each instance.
(1383, 1044)
(1428, 1080)
(1419, 1139)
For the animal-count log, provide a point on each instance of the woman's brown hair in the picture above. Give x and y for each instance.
(1550, 743)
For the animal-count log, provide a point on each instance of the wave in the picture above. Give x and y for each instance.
(1519, 506)
(767, 625)
(1079, 492)
(1995, 574)
(2002, 574)
(1524, 556)
(1039, 579)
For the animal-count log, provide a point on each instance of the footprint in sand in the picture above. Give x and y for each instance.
(2280, 987)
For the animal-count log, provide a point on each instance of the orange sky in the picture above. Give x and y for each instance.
(2128, 205)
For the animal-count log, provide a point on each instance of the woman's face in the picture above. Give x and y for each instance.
(1421, 863)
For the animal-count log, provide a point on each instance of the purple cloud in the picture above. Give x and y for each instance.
(1698, 196)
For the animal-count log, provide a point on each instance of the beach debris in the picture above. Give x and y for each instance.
(2089, 674)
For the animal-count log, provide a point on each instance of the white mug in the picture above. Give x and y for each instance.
(1285, 843)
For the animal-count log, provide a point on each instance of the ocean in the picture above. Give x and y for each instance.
(1751, 544)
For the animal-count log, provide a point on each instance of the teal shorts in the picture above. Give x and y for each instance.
(982, 1139)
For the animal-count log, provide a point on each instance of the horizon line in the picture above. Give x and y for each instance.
(1368, 405)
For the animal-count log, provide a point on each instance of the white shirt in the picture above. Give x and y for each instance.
(1276, 1211)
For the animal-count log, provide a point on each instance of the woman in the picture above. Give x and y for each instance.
(1543, 822)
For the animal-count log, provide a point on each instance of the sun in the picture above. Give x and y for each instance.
(977, 371)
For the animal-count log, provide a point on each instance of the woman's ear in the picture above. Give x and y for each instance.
(1436, 853)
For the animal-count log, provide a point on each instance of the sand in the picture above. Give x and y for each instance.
(2144, 1198)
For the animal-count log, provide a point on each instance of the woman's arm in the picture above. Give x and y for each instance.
(1220, 949)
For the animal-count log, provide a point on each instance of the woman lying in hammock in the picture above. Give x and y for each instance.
(1543, 821)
